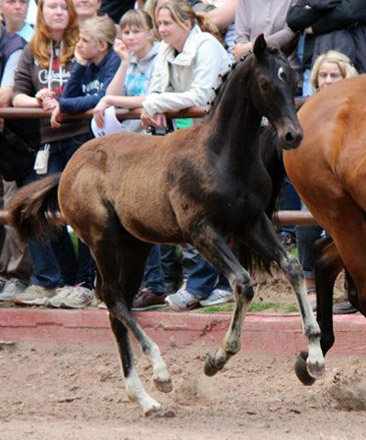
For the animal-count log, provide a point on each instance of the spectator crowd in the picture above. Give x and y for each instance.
(70, 56)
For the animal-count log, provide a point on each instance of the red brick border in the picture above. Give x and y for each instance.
(263, 333)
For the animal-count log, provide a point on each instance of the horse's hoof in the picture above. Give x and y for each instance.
(315, 369)
(301, 369)
(210, 368)
(155, 408)
(164, 386)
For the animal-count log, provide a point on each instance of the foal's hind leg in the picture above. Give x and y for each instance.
(214, 249)
(134, 388)
(264, 240)
(120, 259)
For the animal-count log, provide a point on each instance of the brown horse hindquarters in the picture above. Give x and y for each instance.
(133, 174)
(327, 170)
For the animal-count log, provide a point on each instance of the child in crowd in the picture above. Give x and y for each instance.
(137, 51)
(96, 65)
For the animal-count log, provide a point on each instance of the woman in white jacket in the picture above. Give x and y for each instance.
(188, 66)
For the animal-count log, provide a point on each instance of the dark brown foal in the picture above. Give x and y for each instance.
(124, 192)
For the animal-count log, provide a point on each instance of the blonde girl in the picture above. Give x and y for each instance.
(137, 51)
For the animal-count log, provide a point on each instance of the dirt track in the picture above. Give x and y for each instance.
(76, 393)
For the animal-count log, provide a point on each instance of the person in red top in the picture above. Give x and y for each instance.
(43, 71)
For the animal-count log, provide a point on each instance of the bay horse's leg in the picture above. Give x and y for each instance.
(213, 247)
(352, 291)
(350, 240)
(264, 240)
(120, 263)
(327, 266)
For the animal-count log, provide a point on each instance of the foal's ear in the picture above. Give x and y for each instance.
(260, 46)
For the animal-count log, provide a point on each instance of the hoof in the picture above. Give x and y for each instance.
(301, 369)
(210, 368)
(164, 386)
(152, 410)
(315, 369)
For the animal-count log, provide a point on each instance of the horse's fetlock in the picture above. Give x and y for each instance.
(246, 291)
(232, 348)
(249, 292)
(313, 331)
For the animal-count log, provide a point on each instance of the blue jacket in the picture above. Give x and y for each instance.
(88, 84)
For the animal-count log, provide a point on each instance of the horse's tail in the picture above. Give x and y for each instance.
(34, 210)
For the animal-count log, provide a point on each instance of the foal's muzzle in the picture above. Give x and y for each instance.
(290, 135)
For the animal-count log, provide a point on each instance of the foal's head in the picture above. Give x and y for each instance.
(272, 91)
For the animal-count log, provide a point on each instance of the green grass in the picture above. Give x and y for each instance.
(254, 307)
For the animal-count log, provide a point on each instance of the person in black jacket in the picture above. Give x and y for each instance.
(15, 265)
(116, 8)
(331, 25)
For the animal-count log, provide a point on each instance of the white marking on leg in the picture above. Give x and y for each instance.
(232, 339)
(136, 393)
(311, 329)
(160, 369)
(161, 376)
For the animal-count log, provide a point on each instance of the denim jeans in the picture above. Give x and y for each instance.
(153, 275)
(306, 236)
(55, 263)
(190, 257)
(204, 278)
(86, 267)
(289, 200)
(171, 265)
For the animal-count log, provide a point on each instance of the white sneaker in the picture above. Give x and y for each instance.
(34, 295)
(11, 289)
(61, 294)
(78, 298)
(182, 300)
(218, 296)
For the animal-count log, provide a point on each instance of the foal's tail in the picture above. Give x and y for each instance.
(34, 210)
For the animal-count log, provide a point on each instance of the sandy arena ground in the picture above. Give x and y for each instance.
(77, 393)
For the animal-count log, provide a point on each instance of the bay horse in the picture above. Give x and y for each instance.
(122, 193)
(328, 171)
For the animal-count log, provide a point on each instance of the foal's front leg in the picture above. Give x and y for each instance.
(264, 240)
(213, 247)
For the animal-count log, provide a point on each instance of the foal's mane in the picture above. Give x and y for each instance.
(227, 77)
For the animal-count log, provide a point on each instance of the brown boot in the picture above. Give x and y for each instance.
(146, 299)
